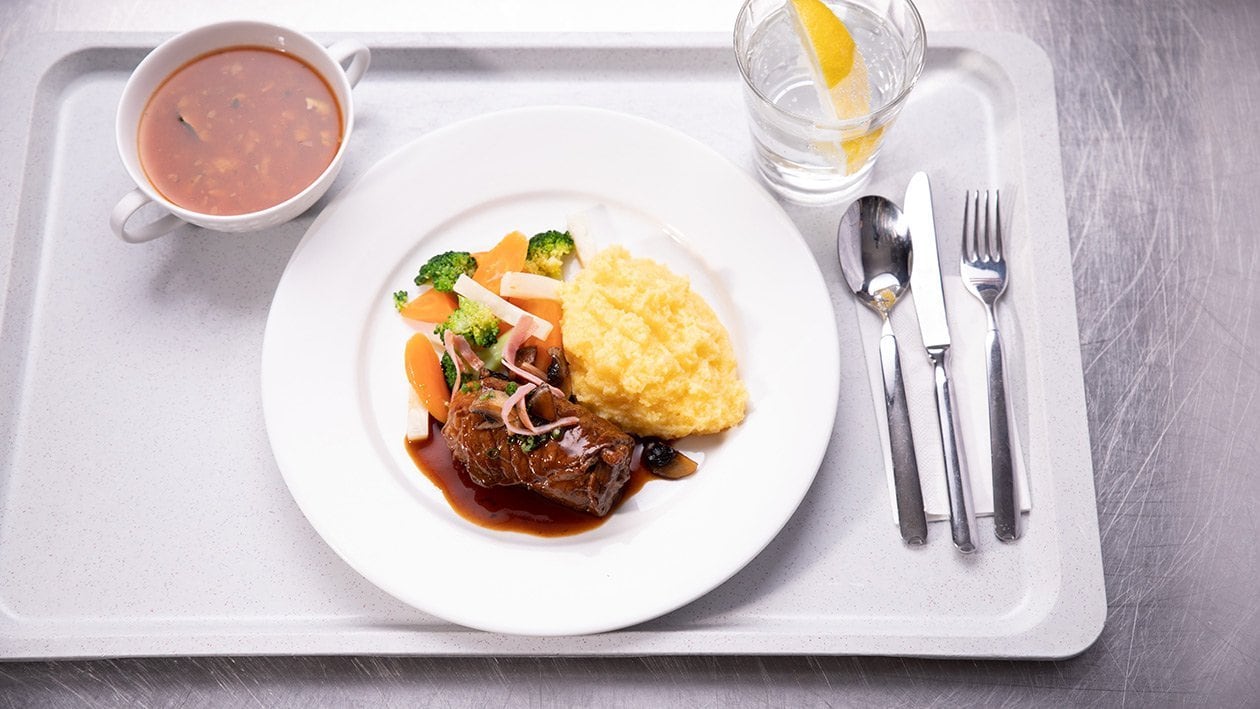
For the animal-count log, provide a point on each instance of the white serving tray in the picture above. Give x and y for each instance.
(141, 512)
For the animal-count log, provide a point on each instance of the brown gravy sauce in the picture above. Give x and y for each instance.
(512, 509)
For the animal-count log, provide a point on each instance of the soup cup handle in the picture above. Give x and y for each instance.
(355, 51)
(126, 207)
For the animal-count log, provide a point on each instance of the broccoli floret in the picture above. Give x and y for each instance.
(448, 370)
(444, 269)
(400, 299)
(474, 321)
(546, 253)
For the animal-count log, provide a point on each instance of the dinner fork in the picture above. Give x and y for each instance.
(983, 271)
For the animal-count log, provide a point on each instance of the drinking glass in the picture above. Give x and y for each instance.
(804, 149)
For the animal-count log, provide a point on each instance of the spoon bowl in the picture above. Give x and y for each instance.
(873, 245)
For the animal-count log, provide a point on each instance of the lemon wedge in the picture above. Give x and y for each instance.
(841, 77)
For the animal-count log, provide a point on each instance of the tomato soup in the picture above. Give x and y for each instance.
(238, 131)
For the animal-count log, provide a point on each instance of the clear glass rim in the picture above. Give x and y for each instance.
(876, 117)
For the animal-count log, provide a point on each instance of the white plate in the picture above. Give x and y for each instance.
(334, 389)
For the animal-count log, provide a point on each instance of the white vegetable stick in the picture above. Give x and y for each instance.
(529, 285)
(417, 418)
(589, 228)
(502, 309)
(579, 225)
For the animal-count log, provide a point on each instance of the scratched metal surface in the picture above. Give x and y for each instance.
(1161, 139)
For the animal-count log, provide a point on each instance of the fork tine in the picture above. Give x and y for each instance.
(997, 224)
(966, 240)
(975, 227)
(988, 231)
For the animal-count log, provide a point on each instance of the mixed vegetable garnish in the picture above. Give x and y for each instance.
(491, 300)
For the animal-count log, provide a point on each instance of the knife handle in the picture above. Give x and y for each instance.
(910, 515)
(960, 519)
(1005, 513)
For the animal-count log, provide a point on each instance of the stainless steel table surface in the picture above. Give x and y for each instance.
(1158, 104)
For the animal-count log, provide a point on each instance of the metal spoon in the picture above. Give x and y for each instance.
(873, 244)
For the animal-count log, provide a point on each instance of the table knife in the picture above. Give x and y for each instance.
(929, 304)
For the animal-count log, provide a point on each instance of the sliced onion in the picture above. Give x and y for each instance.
(522, 410)
(466, 352)
(462, 355)
(528, 428)
(511, 402)
(448, 342)
(520, 333)
(542, 377)
(558, 423)
(524, 328)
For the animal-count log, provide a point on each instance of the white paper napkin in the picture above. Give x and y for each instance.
(966, 366)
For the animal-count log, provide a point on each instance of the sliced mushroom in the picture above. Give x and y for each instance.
(558, 370)
(535, 371)
(495, 380)
(527, 359)
(542, 405)
(489, 404)
(526, 355)
(664, 460)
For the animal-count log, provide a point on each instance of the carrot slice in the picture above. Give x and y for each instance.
(424, 371)
(549, 310)
(507, 255)
(430, 306)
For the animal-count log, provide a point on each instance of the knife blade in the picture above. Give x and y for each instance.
(929, 304)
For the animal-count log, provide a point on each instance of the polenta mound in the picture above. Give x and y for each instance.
(646, 352)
